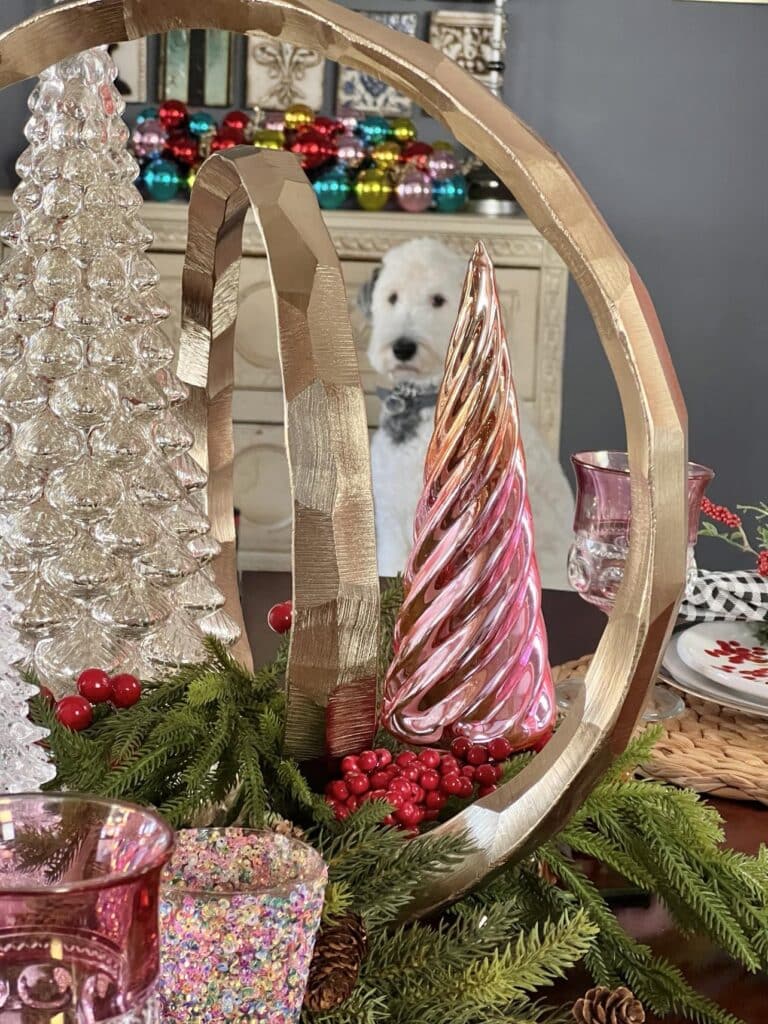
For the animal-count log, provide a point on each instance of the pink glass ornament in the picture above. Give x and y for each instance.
(79, 891)
(350, 150)
(602, 521)
(274, 121)
(470, 643)
(149, 139)
(239, 913)
(442, 163)
(413, 190)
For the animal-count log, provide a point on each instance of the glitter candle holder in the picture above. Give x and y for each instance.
(79, 885)
(239, 913)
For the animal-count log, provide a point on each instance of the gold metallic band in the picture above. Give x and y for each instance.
(533, 805)
(331, 676)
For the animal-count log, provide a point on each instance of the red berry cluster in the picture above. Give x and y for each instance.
(280, 617)
(720, 514)
(762, 563)
(94, 686)
(417, 786)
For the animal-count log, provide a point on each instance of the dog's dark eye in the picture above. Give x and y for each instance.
(438, 300)
(392, 298)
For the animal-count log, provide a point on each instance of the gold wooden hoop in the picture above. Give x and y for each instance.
(523, 812)
(331, 670)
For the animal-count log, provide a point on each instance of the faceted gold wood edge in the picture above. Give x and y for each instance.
(331, 674)
(521, 813)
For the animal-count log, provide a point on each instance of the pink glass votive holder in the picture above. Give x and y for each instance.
(79, 887)
(239, 913)
(602, 522)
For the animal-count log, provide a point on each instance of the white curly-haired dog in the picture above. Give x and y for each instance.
(412, 301)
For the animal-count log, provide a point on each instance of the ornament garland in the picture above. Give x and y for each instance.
(204, 746)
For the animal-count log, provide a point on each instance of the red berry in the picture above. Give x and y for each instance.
(408, 815)
(762, 563)
(417, 794)
(357, 783)
(400, 785)
(352, 802)
(368, 760)
(485, 774)
(338, 790)
(350, 763)
(280, 617)
(465, 787)
(383, 757)
(449, 765)
(74, 713)
(477, 754)
(498, 772)
(430, 758)
(380, 779)
(542, 741)
(377, 794)
(412, 772)
(94, 685)
(47, 695)
(430, 780)
(390, 820)
(500, 748)
(342, 811)
(126, 690)
(434, 800)
(395, 798)
(486, 790)
(405, 758)
(451, 784)
(468, 771)
(460, 746)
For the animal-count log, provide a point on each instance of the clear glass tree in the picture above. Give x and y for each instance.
(107, 541)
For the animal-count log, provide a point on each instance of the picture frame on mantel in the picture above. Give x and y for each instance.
(195, 67)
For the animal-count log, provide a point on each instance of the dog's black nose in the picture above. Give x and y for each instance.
(404, 349)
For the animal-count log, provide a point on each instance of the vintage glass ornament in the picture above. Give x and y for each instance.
(442, 163)
(451, 194)
(470, 647)
(148, 139)
(161, 179)
(95, 476)
(173, 114)
(268, 138)
(403, 129)
(201, 123)
(386, 155)
(332, 188)
(373, 129)
(183, 148)
(298, 115)
(350, 150)
(147, 114)
(330, 126)
(225, 138)
(413, 190)
(312, 149)
(237, 120)
(373, 189)
(418, 154)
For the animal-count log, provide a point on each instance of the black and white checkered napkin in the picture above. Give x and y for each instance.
(725, 595)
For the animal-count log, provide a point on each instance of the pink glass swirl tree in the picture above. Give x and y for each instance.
(470, 644)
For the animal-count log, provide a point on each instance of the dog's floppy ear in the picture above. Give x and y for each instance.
(365, 293)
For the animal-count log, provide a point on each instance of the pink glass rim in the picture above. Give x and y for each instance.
(617, 462)
(313, 870)
(113, 878)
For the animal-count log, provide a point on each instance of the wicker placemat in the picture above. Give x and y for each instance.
(708, 748)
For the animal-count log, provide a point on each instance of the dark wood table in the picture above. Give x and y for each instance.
(574, 629)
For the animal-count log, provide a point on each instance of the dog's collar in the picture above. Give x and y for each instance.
(402, 408)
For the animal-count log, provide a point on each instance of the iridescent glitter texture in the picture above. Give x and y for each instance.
(239, 913)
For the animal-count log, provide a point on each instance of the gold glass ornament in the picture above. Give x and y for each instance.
(403, 129)
(297, 116)
(533, 805)
(443, 144)
(385, 155)
(268, 138)
(373, 189)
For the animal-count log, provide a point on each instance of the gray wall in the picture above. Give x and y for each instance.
(661, 108)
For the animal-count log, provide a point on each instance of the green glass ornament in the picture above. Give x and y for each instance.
(450, 194)
(332, 188)
(269, 138)
(373, 189)
(201, 123)
(162, 180)
(403, 129)
(373, 129)
(147, 114)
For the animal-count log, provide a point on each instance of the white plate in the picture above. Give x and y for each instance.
(728, 653)
(678, 674)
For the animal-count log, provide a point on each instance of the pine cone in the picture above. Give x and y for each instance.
(340, 949)
(601, 1006)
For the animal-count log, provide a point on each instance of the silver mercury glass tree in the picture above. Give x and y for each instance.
(106, 539)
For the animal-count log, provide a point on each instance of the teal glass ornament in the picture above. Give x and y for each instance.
(332, 188)
(162, 180)
(373, 129)
(450, 194)
(147, 114)
(201, 123)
